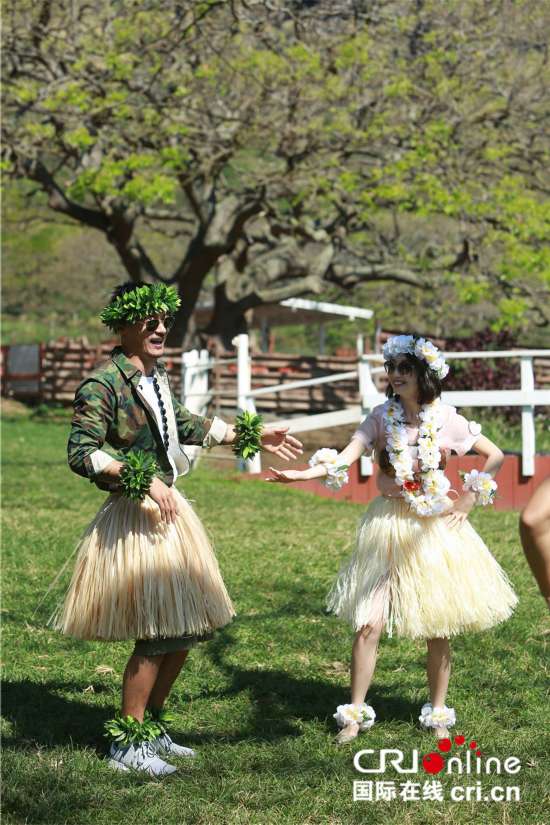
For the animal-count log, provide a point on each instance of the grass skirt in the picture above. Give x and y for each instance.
(137, 577)
(420, 577)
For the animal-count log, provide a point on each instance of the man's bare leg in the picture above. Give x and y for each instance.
(167, 675)
(138, 681)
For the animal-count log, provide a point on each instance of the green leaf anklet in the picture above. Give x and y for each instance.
(161, 718)
(137, 474)
(126, 730)
(248, 428)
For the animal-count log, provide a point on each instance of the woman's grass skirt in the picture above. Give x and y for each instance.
(418, 576)
(137, 577)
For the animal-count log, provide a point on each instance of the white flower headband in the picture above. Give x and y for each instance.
(421, 348)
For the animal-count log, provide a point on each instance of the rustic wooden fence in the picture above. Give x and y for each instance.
(59, 366)
(64, 363)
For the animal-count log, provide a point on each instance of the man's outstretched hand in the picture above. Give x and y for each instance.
(276, 440)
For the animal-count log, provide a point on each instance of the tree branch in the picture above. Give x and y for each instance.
(58, 200)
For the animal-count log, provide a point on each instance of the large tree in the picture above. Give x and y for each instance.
(286, 146)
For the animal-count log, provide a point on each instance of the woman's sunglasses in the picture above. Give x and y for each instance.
(152, 323)
(403, 368)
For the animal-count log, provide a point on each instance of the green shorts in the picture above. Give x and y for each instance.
(169, 644)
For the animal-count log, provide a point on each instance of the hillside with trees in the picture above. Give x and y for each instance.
(392, 154)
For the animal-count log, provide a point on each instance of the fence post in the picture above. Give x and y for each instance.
(194, 391)
(194, 380)
(527, 418)
(244, 401)
(366, 387)
(188, 359)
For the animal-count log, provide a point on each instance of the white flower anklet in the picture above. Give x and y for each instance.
(362, 715)
(438, 717)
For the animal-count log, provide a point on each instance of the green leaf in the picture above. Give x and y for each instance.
(137, 474)
(248, 428)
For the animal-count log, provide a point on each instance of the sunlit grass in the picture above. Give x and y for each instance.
(257, 701)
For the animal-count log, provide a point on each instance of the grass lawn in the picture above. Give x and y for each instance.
(257, 701)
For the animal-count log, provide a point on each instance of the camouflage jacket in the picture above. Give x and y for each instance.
(112, 416)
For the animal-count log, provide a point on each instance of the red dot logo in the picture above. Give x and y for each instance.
(478, 753)
(459, 740)
(444, 745)
(473, 744)
(433, 762)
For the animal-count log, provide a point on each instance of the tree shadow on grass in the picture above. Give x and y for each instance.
(43, 717)
(278, 697)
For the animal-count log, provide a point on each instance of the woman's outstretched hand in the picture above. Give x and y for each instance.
(286, 476)
(277, 440)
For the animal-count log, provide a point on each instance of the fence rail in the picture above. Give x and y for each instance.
(526, 397)
(306, 392)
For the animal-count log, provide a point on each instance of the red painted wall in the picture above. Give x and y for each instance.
(514, 490)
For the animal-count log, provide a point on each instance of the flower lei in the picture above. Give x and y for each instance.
(427, 496)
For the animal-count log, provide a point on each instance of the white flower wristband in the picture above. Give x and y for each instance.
(337, 474)
(482, 484)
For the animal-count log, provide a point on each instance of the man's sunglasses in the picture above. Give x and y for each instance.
(152, 323)
(403, 368)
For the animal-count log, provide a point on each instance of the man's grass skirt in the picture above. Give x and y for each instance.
(137, 577)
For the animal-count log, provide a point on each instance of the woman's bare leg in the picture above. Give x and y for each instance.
(363, 663)
(438, 668)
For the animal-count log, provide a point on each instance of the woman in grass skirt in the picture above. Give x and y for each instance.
(419, 568)
(145, 568)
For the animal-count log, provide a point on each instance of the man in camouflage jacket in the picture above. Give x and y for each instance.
(110, 409)
(126, 406)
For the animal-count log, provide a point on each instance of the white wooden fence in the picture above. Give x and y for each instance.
(526, 397)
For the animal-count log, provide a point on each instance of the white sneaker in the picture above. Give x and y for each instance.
(142, 757)
(163, 744)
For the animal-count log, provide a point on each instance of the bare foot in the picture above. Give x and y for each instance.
(347, 733)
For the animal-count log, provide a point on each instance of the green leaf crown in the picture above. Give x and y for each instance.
(141, 302)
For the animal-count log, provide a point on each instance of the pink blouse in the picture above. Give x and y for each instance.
(456, 433)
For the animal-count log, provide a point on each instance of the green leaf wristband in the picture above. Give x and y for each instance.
(248, 428)
(137, 474)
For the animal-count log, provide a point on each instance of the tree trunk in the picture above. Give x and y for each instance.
(228, 319)
(190, 276)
